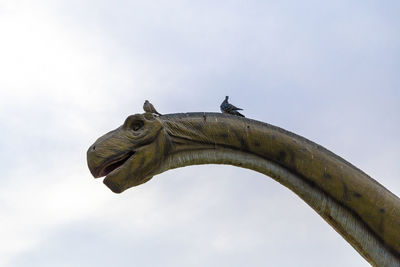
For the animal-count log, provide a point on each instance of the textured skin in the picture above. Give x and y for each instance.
(164, 142)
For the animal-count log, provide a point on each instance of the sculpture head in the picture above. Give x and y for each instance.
(129, 155)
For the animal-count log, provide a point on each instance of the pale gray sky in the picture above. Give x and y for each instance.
(73, 70)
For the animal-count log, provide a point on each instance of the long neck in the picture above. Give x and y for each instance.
(364, 212)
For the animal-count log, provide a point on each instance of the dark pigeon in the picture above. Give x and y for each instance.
(229, 108)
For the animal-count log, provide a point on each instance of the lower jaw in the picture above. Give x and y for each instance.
(115, 187)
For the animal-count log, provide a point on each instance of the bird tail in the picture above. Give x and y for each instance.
(238, 113)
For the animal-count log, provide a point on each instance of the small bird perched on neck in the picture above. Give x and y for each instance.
(229, 108)
(148, 107)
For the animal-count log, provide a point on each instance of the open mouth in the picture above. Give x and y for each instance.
(114, 164)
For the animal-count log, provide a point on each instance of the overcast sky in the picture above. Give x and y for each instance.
(73, 70)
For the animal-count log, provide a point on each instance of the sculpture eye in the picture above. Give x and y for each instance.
(136, 125)
(134, 122)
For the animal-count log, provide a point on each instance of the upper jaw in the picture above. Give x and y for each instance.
(113, 164)
(101, 164)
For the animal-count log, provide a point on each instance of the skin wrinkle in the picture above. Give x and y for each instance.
(354, 198)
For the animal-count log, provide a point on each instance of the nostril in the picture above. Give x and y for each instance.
(94, 148)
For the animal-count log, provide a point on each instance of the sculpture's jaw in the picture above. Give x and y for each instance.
(111, 166)
(116, 171)
(117, 186)
(136, 170)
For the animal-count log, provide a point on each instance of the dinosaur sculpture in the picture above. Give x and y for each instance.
(360, 209)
